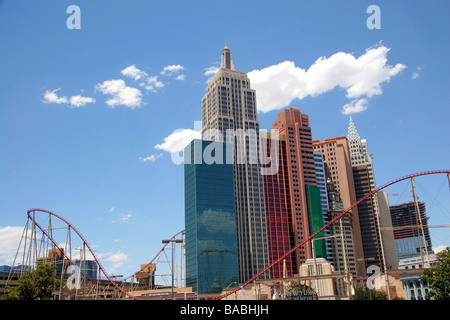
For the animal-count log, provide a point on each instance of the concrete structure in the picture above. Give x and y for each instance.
(390, 251)
(165, 294)
(336, 156)
(229, 114)
(409, 239)
(312, 267)
(340, 247)
(414, 287)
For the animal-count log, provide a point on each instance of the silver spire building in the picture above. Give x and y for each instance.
(229, 114)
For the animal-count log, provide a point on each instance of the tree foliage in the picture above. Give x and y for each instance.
(37, 284)
(368, 294)
(438, 277)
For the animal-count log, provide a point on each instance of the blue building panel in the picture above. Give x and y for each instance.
(210, 218)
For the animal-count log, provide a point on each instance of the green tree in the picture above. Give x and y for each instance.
(438, 277)
(37, 284)
(368, 294)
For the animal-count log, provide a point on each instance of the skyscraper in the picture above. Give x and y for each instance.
(341, 250)
(368, 211)
(229, 114)
(301, 173)
(368, 220)
(410, 241)
(336, 156)
(210, 218)
(278, 206)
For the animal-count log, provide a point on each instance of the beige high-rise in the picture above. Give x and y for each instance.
(336, 155)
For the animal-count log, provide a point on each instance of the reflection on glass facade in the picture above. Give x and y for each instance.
(210, 218)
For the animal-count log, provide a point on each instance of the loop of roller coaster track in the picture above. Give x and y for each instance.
(84, 241)
(173, 237)
(327, 225)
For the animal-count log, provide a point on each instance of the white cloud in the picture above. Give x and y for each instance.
(111, 210)
(355, 106)
(80, 101)
(146, 81)
(50, 96)
(133, 72)
(211, 71)
(278, 85)
(121, 94)
(439, 248)
(172, 69)
(180, 77)
(118, 259)
(9, 242)
(152, 83)
(178, 140)
(151, 158)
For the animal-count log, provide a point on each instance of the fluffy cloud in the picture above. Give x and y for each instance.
(80, 101)
(50, 96)
(121, 94)
(133, 72)
(152, 83)
(172, 69)
(178, 140)
(211, 71)
(355, 106)
(278, 85)
(9, 242)
(118, 259)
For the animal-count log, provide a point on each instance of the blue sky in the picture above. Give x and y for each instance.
(86, 115)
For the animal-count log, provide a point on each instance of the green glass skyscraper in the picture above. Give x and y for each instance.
(210, 218)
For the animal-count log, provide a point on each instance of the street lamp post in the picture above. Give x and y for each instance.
(173, 249)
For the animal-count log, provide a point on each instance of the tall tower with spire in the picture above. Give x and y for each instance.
(229, 114)
(358, 148)
(368, 211)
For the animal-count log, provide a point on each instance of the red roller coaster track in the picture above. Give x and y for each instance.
(327, 225)
(84, 241)
(29, 213)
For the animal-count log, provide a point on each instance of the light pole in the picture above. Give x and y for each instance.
(226, 289)
(173, 249)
